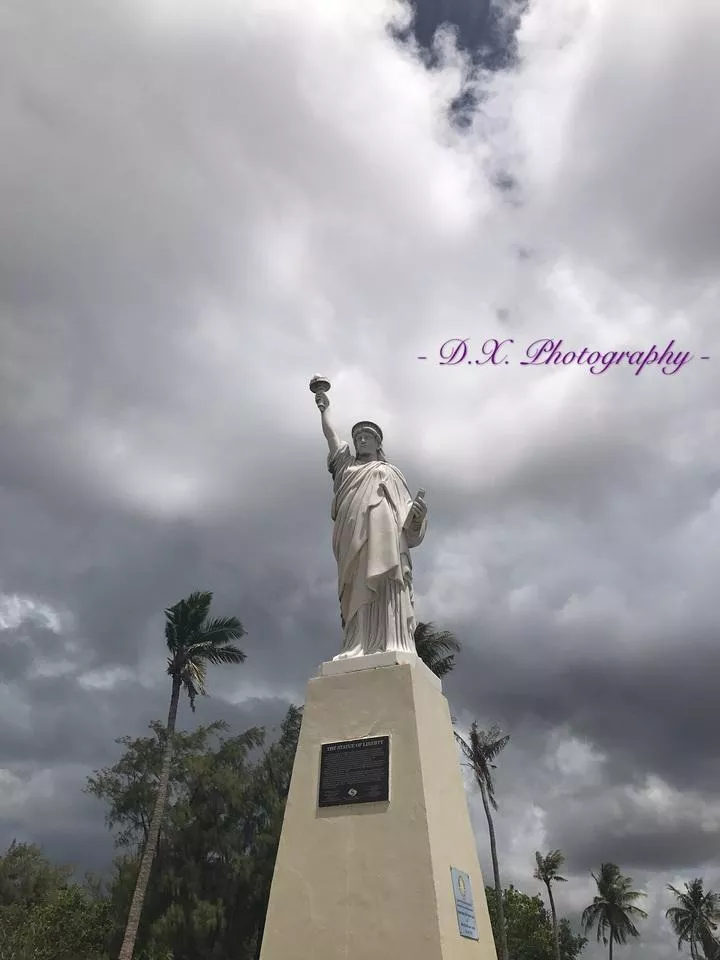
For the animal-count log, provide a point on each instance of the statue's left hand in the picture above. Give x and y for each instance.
(418, 511)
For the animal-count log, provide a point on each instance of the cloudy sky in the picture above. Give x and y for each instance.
(203, 205)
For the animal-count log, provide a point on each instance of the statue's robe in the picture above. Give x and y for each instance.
(372, 548)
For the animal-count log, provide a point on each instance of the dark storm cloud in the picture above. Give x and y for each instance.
(21, 646)
(66, 823)
(485, 30)
(57, 724)
(678, 846)
(652, 711)
(111, 567)
(470, 21)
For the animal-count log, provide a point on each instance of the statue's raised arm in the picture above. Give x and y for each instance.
(376, 523)
(320, 387)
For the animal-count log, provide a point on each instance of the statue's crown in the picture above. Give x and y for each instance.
(370, 426)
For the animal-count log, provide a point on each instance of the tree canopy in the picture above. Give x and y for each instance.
(529, 927)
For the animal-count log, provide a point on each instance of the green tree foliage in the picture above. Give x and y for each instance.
(27, 878)
(44, 915)
(529, 929)
(208, 893)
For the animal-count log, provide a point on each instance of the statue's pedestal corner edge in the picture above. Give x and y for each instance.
(376, 661)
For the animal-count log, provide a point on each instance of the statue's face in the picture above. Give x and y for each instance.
(366, 444)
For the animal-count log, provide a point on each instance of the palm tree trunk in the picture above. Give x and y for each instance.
(496, 873)
(143, 877)
(611, 943)
(556, 938)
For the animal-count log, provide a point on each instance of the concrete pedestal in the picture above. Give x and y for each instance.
(372, 881)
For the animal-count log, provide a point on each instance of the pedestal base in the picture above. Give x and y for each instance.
(372, 881)
(373, 661)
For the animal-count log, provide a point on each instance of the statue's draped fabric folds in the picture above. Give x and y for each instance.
(371, 542)
(377, 522)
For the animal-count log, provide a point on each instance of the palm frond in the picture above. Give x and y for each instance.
(489, 742)
(221, 629)
(193, 691)
(695, 916)
(465, 747)
(592, 915)
(443, 666)
(613, 909)
(211, 654)
(195, 639)
(195, 671)
(436, 648)
(482, 748)
(547, 867)
(442, 641)
(186, 617)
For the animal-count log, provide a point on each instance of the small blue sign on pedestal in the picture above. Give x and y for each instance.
(464, 905)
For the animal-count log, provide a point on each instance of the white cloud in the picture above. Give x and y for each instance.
(106, 679)
(16, 610)
(576, 761)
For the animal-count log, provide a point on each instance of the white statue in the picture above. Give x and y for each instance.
(376, 523)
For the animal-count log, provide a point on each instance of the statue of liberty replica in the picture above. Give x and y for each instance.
(377, 856)
(376, 524)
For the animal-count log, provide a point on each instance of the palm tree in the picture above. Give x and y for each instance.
(547, 869)
(482, 749)
(194, 639)
(436, 648)
(695, 919)
(613, 909)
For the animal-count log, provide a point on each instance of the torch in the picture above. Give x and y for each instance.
(319, 385)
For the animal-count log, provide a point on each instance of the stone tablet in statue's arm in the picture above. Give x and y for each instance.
(416, 522)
